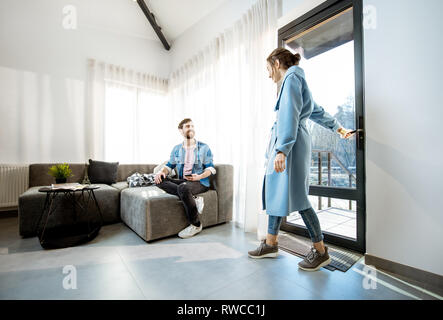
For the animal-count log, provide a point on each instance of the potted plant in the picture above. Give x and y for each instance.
(60, 172)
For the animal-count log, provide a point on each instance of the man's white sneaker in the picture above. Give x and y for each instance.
(190, 231)
(200, 204)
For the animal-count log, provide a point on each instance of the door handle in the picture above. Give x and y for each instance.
(360, 134)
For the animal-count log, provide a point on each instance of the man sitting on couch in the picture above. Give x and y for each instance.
(193, 160)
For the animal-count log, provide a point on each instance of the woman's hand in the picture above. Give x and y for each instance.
(193, 177)
(345, 133)
(279, 162)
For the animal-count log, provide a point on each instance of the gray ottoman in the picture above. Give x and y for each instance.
(153, 214)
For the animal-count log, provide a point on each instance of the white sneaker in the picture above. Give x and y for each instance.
(200, 204)
(190, 231)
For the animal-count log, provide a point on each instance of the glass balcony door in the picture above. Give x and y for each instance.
(330, 43)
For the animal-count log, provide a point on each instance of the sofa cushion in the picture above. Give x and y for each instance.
(102, 172)
(39, 176)
(126, 170)
(153, 214)
(31, 204)
(108, 199)
(120, 185)
(224, 180)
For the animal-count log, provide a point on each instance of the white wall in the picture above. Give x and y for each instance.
(200, 34)
(43, 74)
(404, 152)
(293, 9)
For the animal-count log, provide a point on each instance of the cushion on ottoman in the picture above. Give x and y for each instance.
(120, 185)
(153, 214)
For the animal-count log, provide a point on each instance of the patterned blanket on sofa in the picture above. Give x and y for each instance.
(141, 180)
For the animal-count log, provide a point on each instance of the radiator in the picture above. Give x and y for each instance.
(13, 182)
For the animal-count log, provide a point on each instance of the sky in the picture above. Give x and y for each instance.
(330, 76)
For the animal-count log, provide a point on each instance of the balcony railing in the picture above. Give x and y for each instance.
(331, 156)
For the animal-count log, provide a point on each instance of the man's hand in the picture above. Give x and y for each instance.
(345, 133)
(159, 177)
(279, 162)
(194, 177)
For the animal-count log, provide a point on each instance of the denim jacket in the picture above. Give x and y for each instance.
(202, 160)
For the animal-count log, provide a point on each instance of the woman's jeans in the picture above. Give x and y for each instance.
(310, 219)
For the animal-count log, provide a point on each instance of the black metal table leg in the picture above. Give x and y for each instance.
(96, 203)
(36, 228)
(50, 209)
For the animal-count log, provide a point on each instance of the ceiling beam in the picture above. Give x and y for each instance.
(153, 23)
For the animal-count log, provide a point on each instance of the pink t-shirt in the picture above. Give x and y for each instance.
(189, 160)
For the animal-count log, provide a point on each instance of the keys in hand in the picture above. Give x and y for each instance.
(346, 133)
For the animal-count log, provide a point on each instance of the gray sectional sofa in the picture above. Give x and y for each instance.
(148, 211)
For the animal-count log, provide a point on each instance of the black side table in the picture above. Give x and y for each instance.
(73, 234)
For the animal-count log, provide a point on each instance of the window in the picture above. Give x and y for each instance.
(329, 40)
(327, 52)
(133, 124)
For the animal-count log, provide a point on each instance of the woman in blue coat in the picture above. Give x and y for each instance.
(286, 181)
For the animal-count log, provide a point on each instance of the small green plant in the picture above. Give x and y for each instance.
(61, 171)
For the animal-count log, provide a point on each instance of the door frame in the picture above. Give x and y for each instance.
(324, 11)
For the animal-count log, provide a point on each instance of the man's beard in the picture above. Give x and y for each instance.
(189, 135)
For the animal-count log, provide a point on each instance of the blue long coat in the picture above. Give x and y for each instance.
(287, 192)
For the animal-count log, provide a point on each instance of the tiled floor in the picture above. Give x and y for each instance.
(213, 265)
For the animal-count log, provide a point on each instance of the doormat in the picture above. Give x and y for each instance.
(340, 259)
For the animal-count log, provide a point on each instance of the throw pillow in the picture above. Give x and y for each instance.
(102, 172)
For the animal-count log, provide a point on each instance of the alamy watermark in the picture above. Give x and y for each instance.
(70, 281)
(369, 17)
(369, 281)
(69, 21)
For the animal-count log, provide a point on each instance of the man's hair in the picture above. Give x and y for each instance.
(183, 122)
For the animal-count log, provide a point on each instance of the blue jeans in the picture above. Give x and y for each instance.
(309, 218)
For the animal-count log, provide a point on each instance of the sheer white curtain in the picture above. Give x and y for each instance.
(225, 89)
(125, 107)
